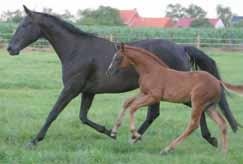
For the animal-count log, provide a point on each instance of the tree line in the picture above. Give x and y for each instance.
(109, 16)
(177, 11)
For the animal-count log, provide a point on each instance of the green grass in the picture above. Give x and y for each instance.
(29, 86)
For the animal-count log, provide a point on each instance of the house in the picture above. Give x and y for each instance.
(216, 23)
(236, 19)
(131, 18)
(186, 22)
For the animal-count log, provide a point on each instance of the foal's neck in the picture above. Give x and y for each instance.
(145, 63)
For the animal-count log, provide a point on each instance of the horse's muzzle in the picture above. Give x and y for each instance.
(12, 51)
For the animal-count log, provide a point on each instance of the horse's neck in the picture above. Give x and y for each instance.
(60, 39)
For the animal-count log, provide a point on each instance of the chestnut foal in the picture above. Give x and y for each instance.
(158, 82)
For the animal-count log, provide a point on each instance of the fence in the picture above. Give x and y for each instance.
(197, 40)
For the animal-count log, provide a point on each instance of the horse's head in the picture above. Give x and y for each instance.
(119, 60)
(27, 32)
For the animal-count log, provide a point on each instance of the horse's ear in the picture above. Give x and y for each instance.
(27, 11)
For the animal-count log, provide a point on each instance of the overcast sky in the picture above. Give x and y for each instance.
(146, 8)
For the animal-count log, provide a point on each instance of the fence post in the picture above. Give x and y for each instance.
(198, 40)
(111, 37)
(171, 37)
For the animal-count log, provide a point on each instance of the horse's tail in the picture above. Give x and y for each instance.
(202, 61)
(233, 88)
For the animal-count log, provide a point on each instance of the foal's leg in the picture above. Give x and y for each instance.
(204, 129)
(121, 116)
(137, 103)
(217, 117)
(193, 125)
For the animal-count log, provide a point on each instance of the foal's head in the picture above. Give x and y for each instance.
(119, 60)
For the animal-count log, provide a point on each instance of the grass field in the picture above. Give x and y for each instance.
(29, 86)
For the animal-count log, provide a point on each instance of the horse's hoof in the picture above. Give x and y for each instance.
(31, 145)
(166, 151)
(110, 134)
(214, 142)
(113, 135)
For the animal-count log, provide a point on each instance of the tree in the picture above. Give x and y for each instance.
(102, 16)
(67, 15)
(12, 16)
(225, 14)
(195, 12)
(175, 11)
(47, 11)
(200, 23)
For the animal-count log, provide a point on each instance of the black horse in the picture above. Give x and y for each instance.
(85, 58)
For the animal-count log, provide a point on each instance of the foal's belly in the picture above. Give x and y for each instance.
(176, 95)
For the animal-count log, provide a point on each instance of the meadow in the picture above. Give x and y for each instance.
(29, 86)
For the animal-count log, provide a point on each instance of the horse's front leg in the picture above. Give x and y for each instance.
(67, 94)
(87, 99)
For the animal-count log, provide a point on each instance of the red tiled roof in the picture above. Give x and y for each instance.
(213, 21)
(184, 22)
(132, 19)
(153, 22)
(127, 16)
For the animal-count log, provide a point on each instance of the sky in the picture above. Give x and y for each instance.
(146, 8)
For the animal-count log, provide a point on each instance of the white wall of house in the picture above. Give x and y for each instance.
(219, 24)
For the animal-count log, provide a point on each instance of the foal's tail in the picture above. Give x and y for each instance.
(202, 61)
(233, 88)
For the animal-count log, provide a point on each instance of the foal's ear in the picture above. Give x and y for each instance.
(27, 11)
(122, 46)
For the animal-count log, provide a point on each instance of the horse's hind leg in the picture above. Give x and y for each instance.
(217, 117)
(121, 116)
(206, 133)
(193, 125)
(152, 113)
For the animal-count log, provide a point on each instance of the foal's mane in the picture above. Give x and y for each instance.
(151, 55)
(68, 26)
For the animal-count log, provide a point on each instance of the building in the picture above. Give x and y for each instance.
(186, 22)
(216, 23)
(236, 19)
(131, 18)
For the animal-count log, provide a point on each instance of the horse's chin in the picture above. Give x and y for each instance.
(13, 53)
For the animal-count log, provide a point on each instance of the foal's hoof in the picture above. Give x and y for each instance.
(166, 151)
(135, 139)
(213, 141)
(31, 145)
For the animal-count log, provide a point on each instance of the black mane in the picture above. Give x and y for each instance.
(68, 26)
